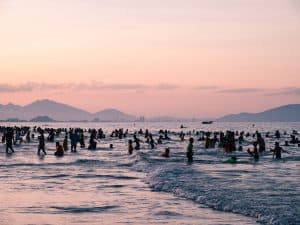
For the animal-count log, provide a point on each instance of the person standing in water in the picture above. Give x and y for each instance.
(74, 140)
(277, 151)
(65, 143)
(9, 138)
(190, 153)
(41, 143)
(130, 147)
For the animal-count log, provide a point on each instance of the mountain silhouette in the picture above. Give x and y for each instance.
(286, 113)
(59, 112)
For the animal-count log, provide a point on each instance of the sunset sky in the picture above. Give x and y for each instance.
(190, 58)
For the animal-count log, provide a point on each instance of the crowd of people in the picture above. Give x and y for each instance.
(228, 141)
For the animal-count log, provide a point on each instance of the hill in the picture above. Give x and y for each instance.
(54, 111)
(109, 115)
(286, 113)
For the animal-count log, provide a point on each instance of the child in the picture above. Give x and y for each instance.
(59, 150)
(166, 153)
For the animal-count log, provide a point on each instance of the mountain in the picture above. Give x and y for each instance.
(52, 110)
(9, 111)
(55, 110)
(286, 113)
(109, 115)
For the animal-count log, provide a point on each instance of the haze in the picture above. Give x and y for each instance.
(195, 58)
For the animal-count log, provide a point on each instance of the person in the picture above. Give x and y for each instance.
(130, 147)
(277, 151)
(9, 138)
(92, 142)
(261, 143)
(81, 140)
(231, 160)
(41, 143)
(189, 153)
(59, 150)
(137, 142)
(254, 154)
(166, 153)
(151, 141)
(65, 143)
(74, 140)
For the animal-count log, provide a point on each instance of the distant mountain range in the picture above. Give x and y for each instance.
(48, 111)
(287, 113)
(51, 111)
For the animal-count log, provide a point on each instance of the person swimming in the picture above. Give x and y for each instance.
(190, 153)
(59, 150)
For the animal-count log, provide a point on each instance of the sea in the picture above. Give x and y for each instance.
(108, 186)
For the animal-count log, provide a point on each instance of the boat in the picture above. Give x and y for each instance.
(207, 122)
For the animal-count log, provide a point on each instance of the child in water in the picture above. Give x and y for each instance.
(190, 153)
(59, 150)
(166, 153)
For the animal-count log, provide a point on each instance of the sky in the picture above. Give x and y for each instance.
(186, 58)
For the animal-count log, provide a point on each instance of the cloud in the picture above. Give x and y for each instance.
(208, 87)
(286, 91)
(93, 85)
(240, 90)
(30, 86)
(166, 87)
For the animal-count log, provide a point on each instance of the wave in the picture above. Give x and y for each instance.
(99, 209)
(243, 189)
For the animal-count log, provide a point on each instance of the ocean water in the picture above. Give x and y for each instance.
(106, 186)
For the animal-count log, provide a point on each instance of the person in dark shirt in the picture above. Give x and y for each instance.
(277, 151)
(9, 138)
(41, 143)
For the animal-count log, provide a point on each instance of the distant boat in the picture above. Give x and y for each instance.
(207, 122)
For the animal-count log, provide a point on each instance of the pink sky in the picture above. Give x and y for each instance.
(196, 58)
